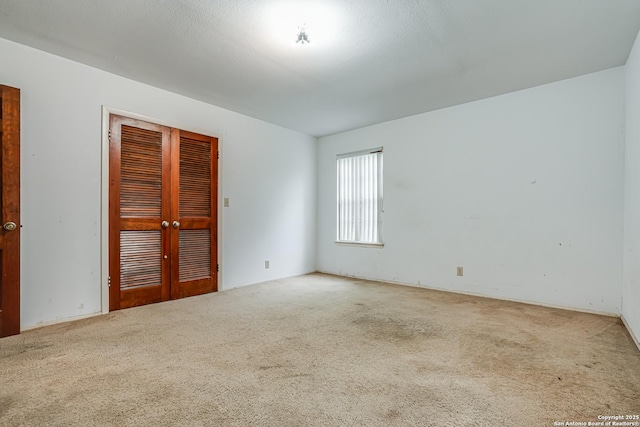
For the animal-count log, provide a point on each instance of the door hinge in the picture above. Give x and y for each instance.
(109, 281)
(218, 154)
(218, 267)
(109, 134)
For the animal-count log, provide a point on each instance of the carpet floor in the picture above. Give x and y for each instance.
(320, 350)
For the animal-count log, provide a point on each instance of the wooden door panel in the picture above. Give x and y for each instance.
(139, 224)
(195, 288)
(143, 296)
(139, 176)
(9, 211)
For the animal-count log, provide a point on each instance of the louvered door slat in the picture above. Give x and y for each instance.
(195, 178)
(140, 173)
(195, 255)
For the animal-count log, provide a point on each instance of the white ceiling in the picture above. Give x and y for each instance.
(386, 58)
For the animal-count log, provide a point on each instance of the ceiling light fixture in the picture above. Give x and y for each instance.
(303, 37)
(297, 22)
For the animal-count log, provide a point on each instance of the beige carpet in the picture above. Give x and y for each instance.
(320, 350)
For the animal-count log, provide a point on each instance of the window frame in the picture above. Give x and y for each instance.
(380, 198)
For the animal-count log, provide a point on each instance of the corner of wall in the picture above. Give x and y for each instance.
(631, 264)
(634, 337)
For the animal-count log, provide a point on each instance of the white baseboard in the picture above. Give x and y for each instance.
(58, 321)
(433, 288)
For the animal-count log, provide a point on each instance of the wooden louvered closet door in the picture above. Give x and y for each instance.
(139, 175)
(194, 191)
(162, 224)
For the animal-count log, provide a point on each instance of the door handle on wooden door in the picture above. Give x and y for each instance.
(176, 224)
(9, 226)
(164, 224)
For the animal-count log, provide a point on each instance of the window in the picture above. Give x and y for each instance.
(360, 197)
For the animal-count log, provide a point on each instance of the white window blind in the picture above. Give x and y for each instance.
(360, 197)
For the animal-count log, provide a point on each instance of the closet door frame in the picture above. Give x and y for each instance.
(105, 184)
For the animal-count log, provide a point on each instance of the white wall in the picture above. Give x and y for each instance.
(267, 172)
(631, 285)
(524, 190)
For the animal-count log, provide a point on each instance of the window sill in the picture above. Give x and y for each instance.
(362, 245)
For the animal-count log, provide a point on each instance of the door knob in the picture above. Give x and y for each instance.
(164, 224)
(176, 224)
(9, 226)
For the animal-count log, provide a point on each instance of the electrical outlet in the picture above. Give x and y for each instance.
(459, 271)
(226, 202)
(266, 264)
